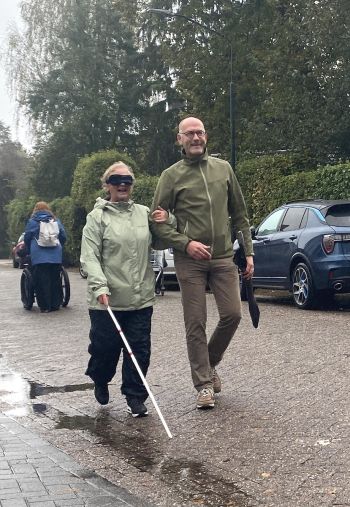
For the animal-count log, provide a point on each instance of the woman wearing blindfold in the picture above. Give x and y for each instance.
(115, 254)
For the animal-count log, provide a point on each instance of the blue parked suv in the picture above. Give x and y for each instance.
(304, 247)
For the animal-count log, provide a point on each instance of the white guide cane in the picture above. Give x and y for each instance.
(145, 383)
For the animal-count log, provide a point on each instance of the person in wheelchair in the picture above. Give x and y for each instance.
(44, 237)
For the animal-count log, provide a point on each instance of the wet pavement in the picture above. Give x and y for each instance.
(35, 473)
(279, 435)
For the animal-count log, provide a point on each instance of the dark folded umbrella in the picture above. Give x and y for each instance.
(247, 285)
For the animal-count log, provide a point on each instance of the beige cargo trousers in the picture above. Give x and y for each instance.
(222, 277)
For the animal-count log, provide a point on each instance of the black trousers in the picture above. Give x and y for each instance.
(106, 345)
(47, 285)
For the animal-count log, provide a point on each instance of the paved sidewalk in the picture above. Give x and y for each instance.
(34, 473)
(279, 435)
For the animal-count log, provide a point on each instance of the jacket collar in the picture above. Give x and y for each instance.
(122, 205)
(193, 161)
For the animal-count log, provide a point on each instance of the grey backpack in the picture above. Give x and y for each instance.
(48, 234)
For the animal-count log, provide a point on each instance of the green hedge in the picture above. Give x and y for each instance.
(73, 218)
(333, 182)
(144, 189)
(269, 181)
(18, 211)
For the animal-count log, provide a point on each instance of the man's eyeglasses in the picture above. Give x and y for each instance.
(191, 133)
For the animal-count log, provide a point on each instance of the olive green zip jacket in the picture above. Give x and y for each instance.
(115, 253)
(206, 199)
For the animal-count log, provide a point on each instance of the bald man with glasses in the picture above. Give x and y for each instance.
(204, 195)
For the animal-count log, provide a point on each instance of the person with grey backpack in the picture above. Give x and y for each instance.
(44, 237)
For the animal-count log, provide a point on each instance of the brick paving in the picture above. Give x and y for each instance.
(278, 437)
(35, 473)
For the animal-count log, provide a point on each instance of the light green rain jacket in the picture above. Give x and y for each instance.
(115, 253)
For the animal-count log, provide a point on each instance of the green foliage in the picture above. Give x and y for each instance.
(144, 188)
(73, 219)
(18, 212)
(333, 182)
(261, 179)
(96, 75)
(13, 166)
(85, 84)
(87, 176)
(54, 164)
(269, 181)
(291, 72)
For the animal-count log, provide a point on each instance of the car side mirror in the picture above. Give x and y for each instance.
(253, 232)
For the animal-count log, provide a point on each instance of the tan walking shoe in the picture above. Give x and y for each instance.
(216, 381)
(205, 398)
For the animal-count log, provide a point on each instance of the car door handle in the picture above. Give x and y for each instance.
(293, 236)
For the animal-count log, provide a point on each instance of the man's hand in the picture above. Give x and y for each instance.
(198, 251)
(159, 215)
(248, 273)
(103, 299)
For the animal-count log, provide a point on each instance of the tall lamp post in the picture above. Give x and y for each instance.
(170, 14)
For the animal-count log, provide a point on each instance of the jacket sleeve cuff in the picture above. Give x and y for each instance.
(101, 290)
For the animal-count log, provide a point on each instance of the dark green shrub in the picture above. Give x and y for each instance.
(260, 178)
(333, 182)
(18, 211)
(144, 189)
(269, 181)
(73, 218)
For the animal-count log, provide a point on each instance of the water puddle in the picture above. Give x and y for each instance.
(18, 393)
(41, 390)
(190, 478)
(137, 448)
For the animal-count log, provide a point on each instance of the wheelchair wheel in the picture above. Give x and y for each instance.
(65, 287)
(27, 289)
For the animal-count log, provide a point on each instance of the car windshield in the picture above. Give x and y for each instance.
(339, 215)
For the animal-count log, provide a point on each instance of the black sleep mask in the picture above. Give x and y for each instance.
(119, 179)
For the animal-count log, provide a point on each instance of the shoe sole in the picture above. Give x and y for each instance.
(102, 403)
(144, 414)
(207, 405)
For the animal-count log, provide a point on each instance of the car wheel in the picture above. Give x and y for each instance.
(303, 288)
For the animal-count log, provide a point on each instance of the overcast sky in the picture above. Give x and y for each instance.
(9, 16)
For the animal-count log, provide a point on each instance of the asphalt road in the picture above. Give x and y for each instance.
(278, 436)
